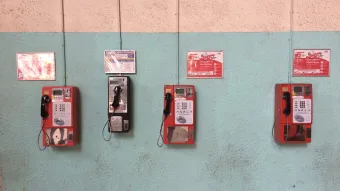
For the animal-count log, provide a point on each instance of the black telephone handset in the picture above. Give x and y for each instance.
(287, 110)
(45, 99)
(116, 98)
(168, 98)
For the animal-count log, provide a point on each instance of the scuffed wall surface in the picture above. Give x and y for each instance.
(161, 16)
(314, 15)
(30, 16)
(232, 16)
(234, 148)
(91, 16)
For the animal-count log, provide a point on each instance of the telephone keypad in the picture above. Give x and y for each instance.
(184, 105)
(62, 113)
(62, 107)
(302, 109)
(302, 104)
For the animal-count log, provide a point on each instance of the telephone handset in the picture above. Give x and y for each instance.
(168, 99)
(166, 113)
(117, 96)
(287, 110)
(45, 99)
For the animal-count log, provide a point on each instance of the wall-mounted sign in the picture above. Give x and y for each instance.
(205, 64)
(36, 66)
(311, 62)
(120, 61)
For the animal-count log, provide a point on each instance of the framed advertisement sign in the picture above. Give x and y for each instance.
(205, 64)
(311, 62)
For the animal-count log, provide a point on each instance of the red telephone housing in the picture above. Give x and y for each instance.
(60, 116)
(179, 124)
(293, 113)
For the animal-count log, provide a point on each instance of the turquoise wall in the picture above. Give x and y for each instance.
(234, 149)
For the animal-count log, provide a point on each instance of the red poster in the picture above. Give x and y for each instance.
(205, 64)
(311, 62)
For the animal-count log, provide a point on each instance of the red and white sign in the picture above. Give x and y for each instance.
(311, 62)
(207, 64)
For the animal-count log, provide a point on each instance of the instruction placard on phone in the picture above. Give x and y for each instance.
(184, 113)
(205, 64)
(36, 66)
(311, 62)
(120, 61)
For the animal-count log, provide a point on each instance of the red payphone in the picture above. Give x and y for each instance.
(178, 115)
(60, 116)
(293, 113)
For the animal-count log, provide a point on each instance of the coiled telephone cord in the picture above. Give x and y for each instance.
(38, 140)
(108, 123)
(160, 133)
(273, 134)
